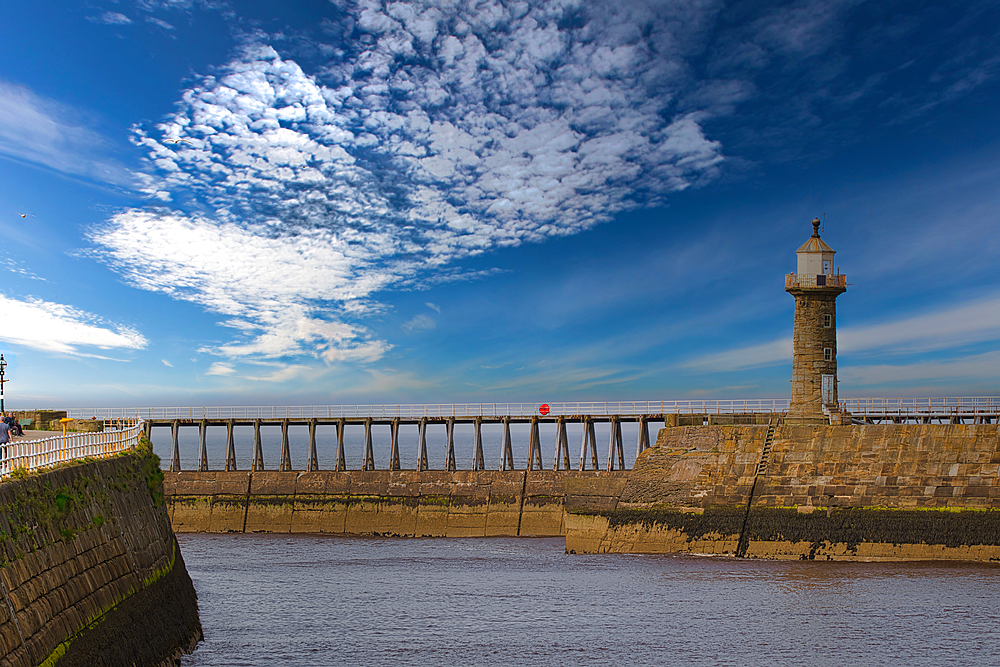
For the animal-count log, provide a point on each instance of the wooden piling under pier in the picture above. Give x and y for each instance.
(588, 449)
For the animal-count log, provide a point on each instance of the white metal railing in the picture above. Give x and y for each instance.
(982, 404)
(941, 406)
(437, 410)
(35, 454)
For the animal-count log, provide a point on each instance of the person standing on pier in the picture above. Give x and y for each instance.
(4, 437)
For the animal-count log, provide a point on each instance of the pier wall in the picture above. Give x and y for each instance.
(875, 492)
(90, 571)
(382, 502)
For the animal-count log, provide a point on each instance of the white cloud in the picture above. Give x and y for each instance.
(54, 327)
(972, 322)
(41, 131)
(755, 356)
(220, 368)
(167, 363)
(114, 18)
(419, 323)
(283, 374)
(433, 307)
(160, 22)
(449, 132)
(983, 367)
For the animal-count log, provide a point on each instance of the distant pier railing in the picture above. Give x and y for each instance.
(442, 410)
(31, 455)
(872, 406)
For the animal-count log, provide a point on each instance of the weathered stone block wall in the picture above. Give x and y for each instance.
(90, 571)
(904, 465)
(840, 492)
(398, 503)
(810, 339)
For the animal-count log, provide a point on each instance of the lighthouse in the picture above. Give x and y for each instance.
(815, 286)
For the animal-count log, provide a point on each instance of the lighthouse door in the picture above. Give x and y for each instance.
(826, 389)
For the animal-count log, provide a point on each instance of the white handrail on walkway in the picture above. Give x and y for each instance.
(694, 406)
(35, 454)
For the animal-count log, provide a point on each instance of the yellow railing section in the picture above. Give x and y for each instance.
(118, 436)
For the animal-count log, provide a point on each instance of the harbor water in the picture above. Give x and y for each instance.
(313, 601)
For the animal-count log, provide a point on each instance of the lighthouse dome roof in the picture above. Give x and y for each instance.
(815, 244)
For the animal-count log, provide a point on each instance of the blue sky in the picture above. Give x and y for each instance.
(355, 202)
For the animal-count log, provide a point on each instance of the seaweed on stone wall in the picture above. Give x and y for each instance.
(695, 525)
(151, 470)
(853, 526)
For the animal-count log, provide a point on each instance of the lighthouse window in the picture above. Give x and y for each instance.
(827, 354)
(827, 321)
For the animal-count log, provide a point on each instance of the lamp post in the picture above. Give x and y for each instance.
(3, 367)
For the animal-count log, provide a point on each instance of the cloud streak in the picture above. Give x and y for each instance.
(973, 322)
(40, 131)
(54, 327)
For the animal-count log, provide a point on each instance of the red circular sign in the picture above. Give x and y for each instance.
(543, 408)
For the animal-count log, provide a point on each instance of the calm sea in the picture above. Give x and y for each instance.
(316, 601)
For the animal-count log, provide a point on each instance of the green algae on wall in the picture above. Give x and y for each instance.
(86, 549)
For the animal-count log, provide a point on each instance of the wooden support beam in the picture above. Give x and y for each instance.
(615, 445)
(506, 450)
(369, 460)
(562, 446)
(643, 440)
(534, 446)
(203, 450)
(286, 455)
(478, 462)
(312, 464)
(450, 456)
(341, 462)
(258, 451)
(589, 435)
(175, 451)
(230, 447)
(394, 447)
(422, 445)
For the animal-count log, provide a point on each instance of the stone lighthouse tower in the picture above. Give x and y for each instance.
(815, 287)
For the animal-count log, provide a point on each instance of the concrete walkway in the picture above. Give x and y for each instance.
(35, 435)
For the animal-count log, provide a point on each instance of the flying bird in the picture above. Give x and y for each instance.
(25, 215)
(177, 141)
